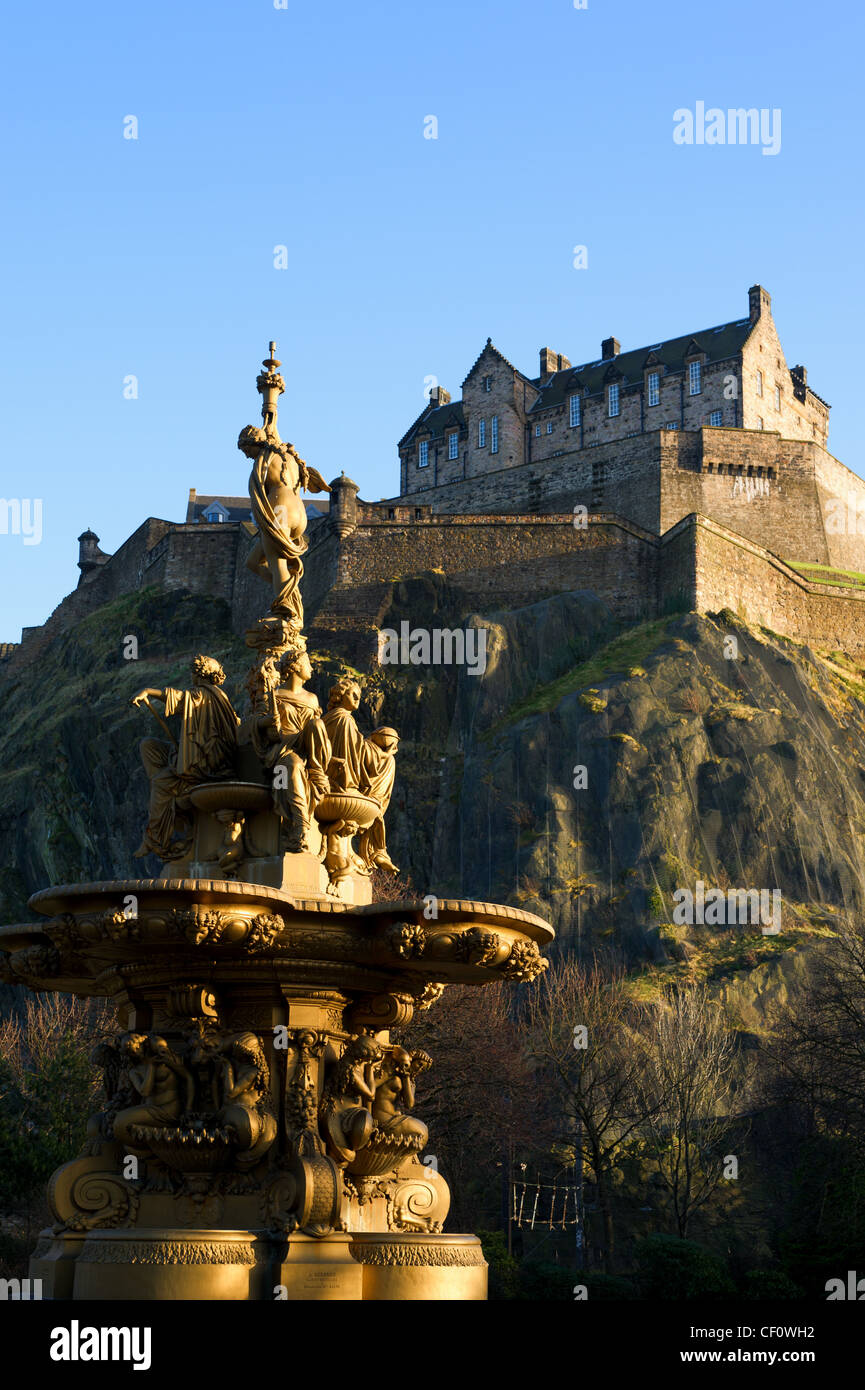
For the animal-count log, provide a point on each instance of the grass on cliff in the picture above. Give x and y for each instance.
(828, 574)
(621, 656)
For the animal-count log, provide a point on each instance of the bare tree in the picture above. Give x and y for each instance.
(479, 1098)
(584, 1032)
(688, 1094)
(818, 1046)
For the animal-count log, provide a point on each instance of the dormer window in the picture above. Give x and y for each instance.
(423, 454)
(653, 385)
(453, 445)
(613, 399)
(695, 378)
(574, 411)
(215, 512)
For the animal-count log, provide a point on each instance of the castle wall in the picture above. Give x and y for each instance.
(806, 418)
(842, 504)
(730, 572)
(622, 478)
(757, 484)
(502, 560)
(198, 557)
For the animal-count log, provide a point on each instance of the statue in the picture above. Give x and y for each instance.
(366, 765)
(380, 770)
(242, 1089)
(292, 741)
(278, 474)
(347, 1106)
(205, 751)
(394, 1094)
(165, 1085)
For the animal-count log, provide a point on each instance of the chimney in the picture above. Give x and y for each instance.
(800, 382)
(439, 396)
(551, 362)
(610, 347)
(759, 302)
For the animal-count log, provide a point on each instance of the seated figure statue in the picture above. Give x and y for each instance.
(292, 742)
(205, 750)
(163, 1083)
(366, 765)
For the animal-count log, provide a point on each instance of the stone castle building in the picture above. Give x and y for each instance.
(731, 376)
(691, 473)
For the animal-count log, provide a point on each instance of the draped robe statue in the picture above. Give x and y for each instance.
(205, 750)
(366, 765)
(278, 474)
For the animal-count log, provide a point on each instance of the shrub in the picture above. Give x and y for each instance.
(770, 1283)
(504, 1275)
(672, 1268)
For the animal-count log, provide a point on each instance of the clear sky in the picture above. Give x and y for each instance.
(303, 127)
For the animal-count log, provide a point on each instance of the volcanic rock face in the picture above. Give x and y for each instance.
(630, 765)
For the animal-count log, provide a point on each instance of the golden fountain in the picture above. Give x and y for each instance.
(256, 1140)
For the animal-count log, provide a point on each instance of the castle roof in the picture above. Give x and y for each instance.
(489, 348)
(627, 367)
(239, 508)
(436, 420)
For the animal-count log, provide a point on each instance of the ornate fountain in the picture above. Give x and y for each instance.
(257, 1140)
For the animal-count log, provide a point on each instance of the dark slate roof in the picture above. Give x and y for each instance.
(239, 508)
(627, 368)
(437, 421)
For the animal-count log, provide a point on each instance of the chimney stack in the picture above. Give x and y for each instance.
(800, 382)
(610, 347)
(551, 362)
(759, 302)
(439, 396)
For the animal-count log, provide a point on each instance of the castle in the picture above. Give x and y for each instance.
(691, 473)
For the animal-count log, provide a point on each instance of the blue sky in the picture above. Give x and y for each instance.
(304, 127)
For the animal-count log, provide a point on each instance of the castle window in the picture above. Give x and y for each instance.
(717, 417)
(671, 425)
(488, 383)
(494, 435)
(759, 422)
(759, 383)
(391, 514)
(537, 431)
(575, 411)
(482, 433)
(695, 378)
(417, 514)
(423, 454)
(453, 445)
(777, 398)
(654, 388)
(613, 399)
(549, 427)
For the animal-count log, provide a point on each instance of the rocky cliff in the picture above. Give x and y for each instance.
(587, 775)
